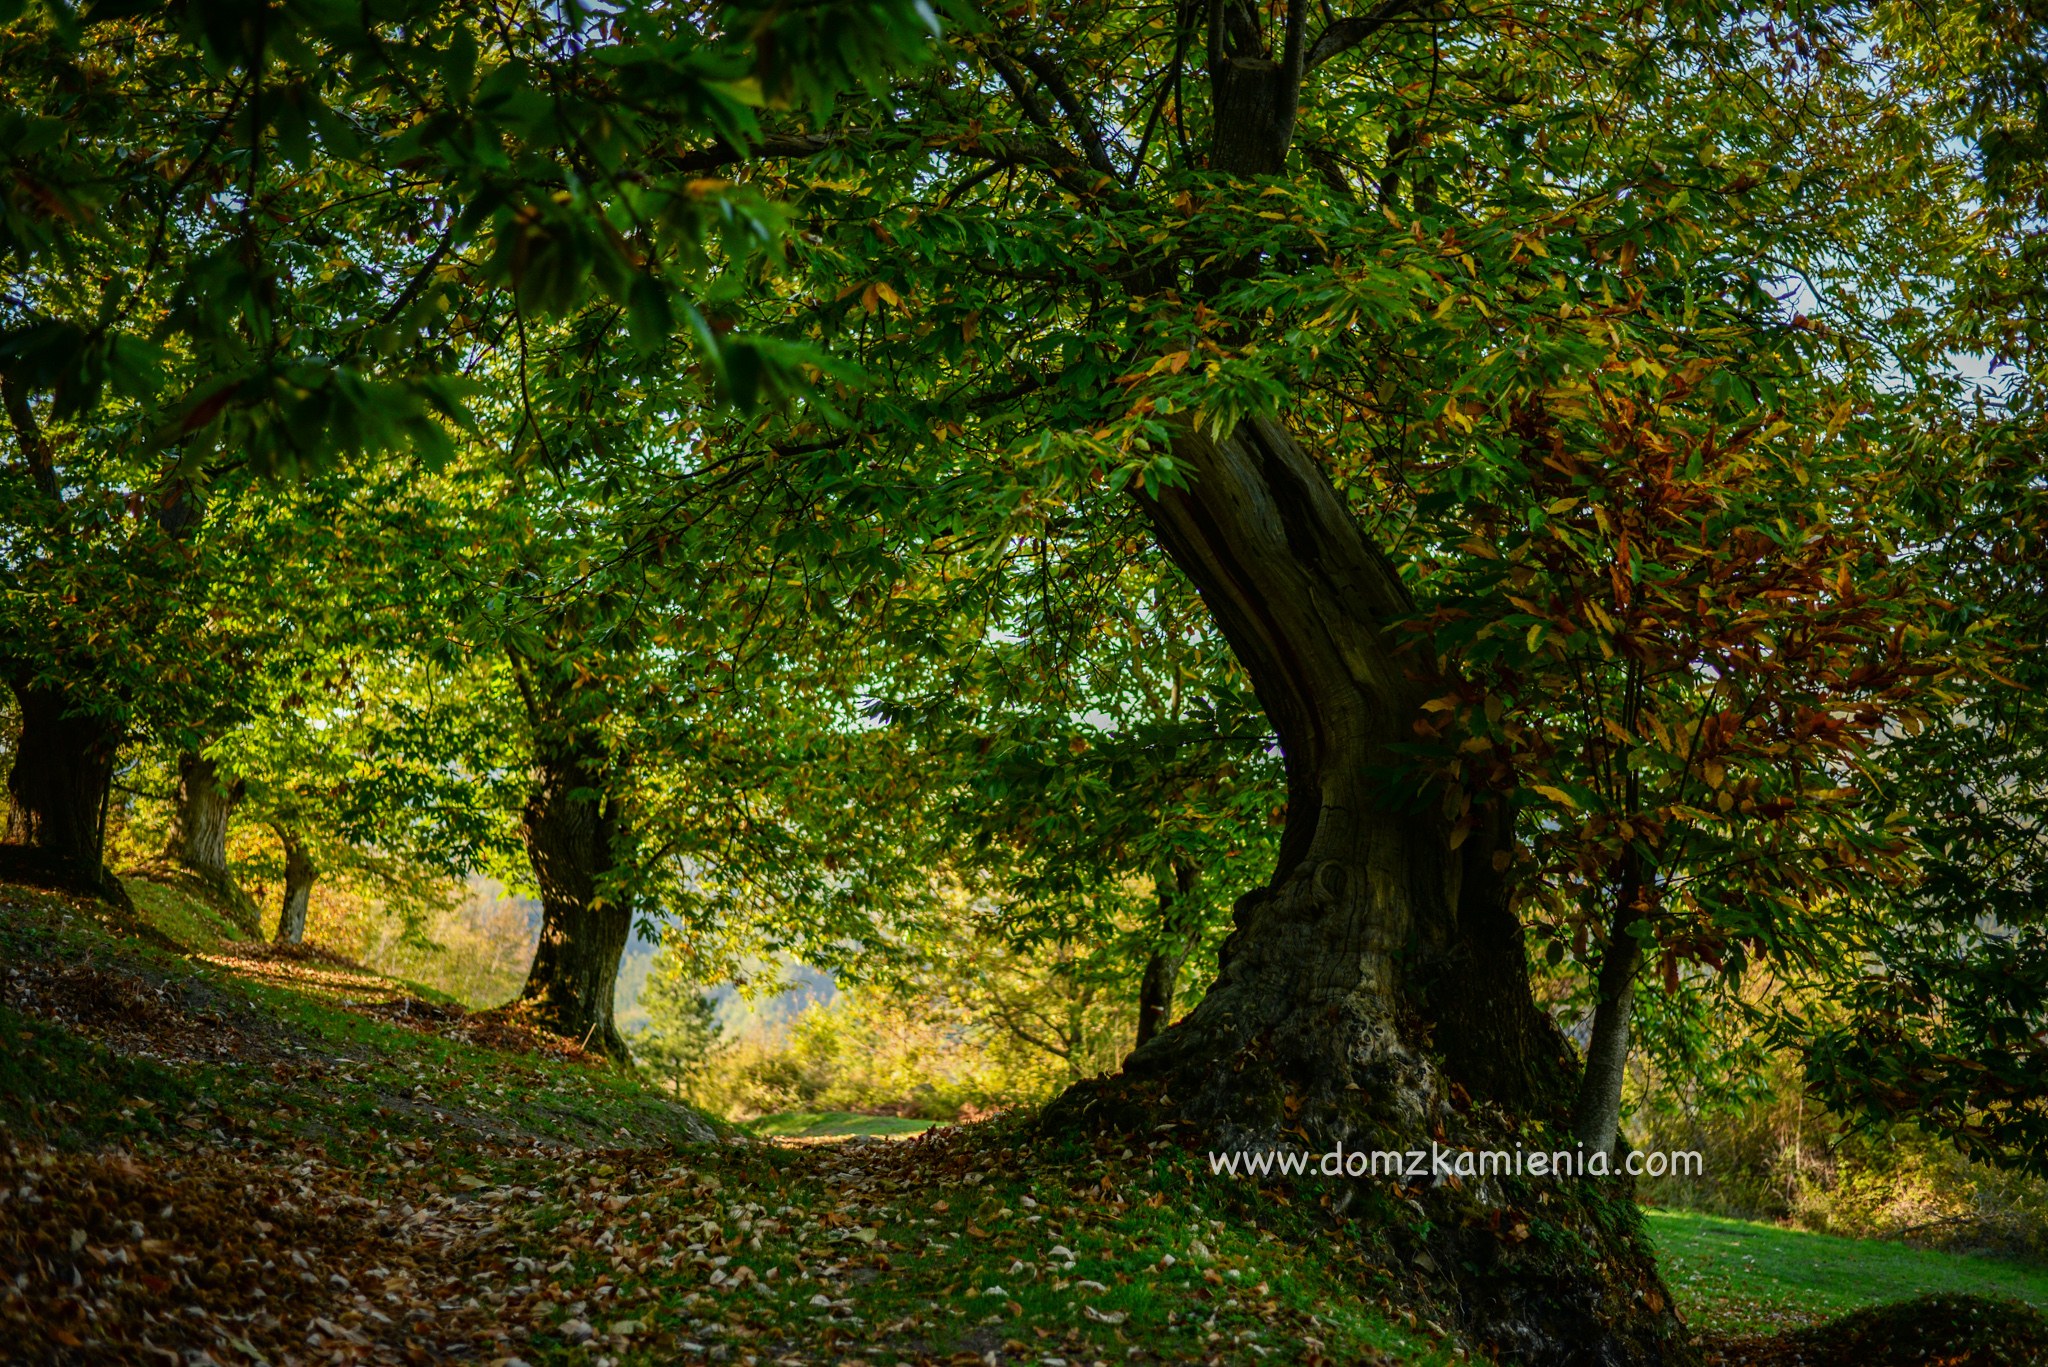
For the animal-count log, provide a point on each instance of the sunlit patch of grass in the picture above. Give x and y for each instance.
(831, 1124)
(1743, 1277)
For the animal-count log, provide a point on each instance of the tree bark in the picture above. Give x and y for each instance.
(1366, 895)
(58, 788)
(1174, 885)
(201, 812)
(200, 815)
(576, 836)
(300, 873)
(1375, 992)
(1596, 1117)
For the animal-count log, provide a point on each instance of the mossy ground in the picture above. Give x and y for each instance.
(283, 1158)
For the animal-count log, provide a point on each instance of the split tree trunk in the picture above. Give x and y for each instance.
(300, 873)
(58, 788)
(575, 837)
(1375, 992)
(1178, 930)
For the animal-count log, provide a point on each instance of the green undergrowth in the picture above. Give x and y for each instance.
(1741, 1277)
(59, 1089)
(833, 1124)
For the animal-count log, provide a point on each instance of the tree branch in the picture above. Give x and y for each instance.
(35, 447)
(1034, 110)
(1076, 109)
(991, 147)
(1345, 34)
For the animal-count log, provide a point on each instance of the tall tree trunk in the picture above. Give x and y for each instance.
(300, 873)
(1375, 992)
(575, 837)
(1178, 931)
(1596, 1117)
(58, 788)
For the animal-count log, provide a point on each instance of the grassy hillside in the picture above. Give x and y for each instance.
(269, 1157)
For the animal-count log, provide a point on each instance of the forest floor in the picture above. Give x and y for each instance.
(218, 1152)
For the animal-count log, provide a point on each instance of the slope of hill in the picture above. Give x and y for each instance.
(217, 1151)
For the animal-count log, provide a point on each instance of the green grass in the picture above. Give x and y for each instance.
(186, 919)
(827, 1124)
(1741, 1277)
(68, 1092)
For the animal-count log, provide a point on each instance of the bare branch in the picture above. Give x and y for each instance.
(1290, 58)
(1048, 157)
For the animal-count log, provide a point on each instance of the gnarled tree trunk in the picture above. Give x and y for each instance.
(58, 788)
(1375, 992)
(300, 873)
(200, 814)
(575, 837)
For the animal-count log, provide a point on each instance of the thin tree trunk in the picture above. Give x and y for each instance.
(300, 873)
(60, 783)
(1174, 887)
(575, 837)
(1596, 1117)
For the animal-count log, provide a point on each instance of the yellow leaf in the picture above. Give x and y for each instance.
(1557, 795)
